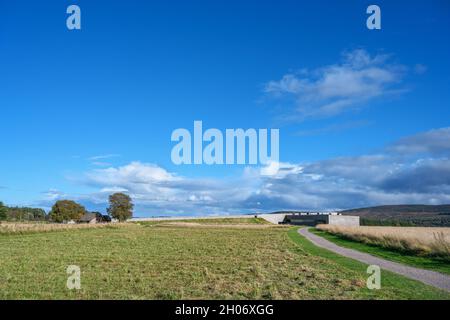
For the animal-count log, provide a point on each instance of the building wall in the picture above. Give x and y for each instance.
(313, 220)
(273, 218)
(307, 220)
(349, 221)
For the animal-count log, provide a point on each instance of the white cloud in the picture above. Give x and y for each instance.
(279, 170)
(436, 141)
(337, 88)
(131, 174)
(99, 159)
(113, 190)
(346, 182)
(53, 194)
(104, 156)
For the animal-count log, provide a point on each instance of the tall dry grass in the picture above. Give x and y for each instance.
(418, 240)
(25, 228)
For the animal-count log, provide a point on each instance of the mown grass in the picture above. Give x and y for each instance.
(250, 220)
(139, 262)
(409, 258)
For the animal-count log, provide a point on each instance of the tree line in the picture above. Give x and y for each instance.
(21, 213)
(120, 208)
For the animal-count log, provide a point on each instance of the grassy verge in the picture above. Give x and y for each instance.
(435, 264)
(403, 287)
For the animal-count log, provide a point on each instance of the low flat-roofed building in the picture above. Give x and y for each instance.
(315, 219)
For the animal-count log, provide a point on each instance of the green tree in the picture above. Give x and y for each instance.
(65, 210)
(3, 211)
(120, 206)
(25, 213)
(38, 214)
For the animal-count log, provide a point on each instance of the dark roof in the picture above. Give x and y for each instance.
(88, 217)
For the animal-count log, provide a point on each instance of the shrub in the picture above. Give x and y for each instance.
(3, 211)
(66, 210)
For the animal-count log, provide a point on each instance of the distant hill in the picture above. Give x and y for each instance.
(404, 215)
(400, 210)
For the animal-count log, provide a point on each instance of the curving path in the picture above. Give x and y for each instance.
(429, 277)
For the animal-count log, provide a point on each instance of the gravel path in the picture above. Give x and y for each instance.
(432, 278)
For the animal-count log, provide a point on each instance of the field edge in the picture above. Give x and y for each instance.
(438, 265)
(399, 282)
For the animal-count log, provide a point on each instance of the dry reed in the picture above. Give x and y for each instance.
(24, 228)
(418, 240)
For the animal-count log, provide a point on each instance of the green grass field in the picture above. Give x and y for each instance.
(160, 261)
(424, 262)
(250, 220)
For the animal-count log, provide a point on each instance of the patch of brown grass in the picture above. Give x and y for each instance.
(25, 228)
(419, 240)
(213, 225)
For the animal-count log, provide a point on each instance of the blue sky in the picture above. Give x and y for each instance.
(363, 114)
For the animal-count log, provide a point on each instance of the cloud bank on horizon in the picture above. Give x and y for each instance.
(415, 169)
